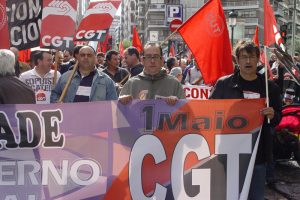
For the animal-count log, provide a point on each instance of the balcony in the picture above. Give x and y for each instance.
(141, 2)
(251, 21)
(238, 5)
(157, 22)
(157, 8)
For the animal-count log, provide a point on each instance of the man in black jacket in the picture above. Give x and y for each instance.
(246, 83)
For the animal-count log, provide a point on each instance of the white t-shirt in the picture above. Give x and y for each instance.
(193, 75)
(42, 86)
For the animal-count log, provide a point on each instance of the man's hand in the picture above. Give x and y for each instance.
(125, 99)
(268, 112)
(171, 100)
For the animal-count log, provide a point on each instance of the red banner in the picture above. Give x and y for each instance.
(4, 43)
(58, 24)
(97, 21)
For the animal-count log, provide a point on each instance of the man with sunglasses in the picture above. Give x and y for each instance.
(153, 82)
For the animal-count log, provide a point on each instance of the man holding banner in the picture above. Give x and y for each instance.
(246, 83)
(153, 82)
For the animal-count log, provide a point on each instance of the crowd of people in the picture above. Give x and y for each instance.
(97, 76)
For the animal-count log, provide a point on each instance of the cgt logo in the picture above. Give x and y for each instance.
(215, 25)
(104, 7)
(3, 16)
(89, 34)
(40, 96)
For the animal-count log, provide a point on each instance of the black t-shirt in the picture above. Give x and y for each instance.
(251, 89)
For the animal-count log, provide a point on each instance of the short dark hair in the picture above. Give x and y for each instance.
(109, 54)
(153, 44)
(39, 55)
(171, 62)
(248, 46)
(101, 54)
(77, 49)
(132, 50)
(33, 56)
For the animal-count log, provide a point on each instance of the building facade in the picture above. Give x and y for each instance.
(251, 13)
(153, 17)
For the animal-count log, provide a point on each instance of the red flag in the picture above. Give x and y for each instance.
(97, 20)
(262, 60)
(172, 50)
(207, 36)
(136, 42)
(4, 35)
(104, 46)
(255, 37)
(121, 49)
(24, 55)
(271, 33)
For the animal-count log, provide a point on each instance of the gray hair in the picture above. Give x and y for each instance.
(7, 63)
(175, 71)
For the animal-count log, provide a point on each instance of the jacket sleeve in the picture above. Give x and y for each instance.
(111, 93)
(275, 103)
(56, 92)
(180, 92)
(125, 89)
(217, 92)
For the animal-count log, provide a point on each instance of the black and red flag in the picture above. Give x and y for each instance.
(24, 20)
(97, 20)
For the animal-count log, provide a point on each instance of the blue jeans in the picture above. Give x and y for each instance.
(257, 188)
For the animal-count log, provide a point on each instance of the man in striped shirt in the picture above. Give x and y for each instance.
(88, 83)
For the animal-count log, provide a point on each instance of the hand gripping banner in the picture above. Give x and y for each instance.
(97, 20)
(144, 150)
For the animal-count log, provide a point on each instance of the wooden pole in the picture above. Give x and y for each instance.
(121, 82)
(168, 37)
(64, 92)
(266, 79)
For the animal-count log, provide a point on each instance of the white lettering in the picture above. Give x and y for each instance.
(148, 144)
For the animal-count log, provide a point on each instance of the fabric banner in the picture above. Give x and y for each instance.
(4, 42)
(200, 92)
(58, 24)
(24, 22)
(195, 150)
(97, 20)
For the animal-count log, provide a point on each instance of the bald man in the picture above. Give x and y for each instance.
(88, 83)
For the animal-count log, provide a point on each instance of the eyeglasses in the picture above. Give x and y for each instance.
(150, 57)
(251, 58)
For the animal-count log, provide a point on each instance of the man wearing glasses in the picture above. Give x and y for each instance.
(247, 84)
(153, 82)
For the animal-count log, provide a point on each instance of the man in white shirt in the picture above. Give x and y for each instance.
(41, 77)
(194, 76)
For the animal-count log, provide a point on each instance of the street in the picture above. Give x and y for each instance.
(287, 182)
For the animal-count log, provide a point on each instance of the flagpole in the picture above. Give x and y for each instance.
(64, 92)
(266, 80)
(168, 37)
